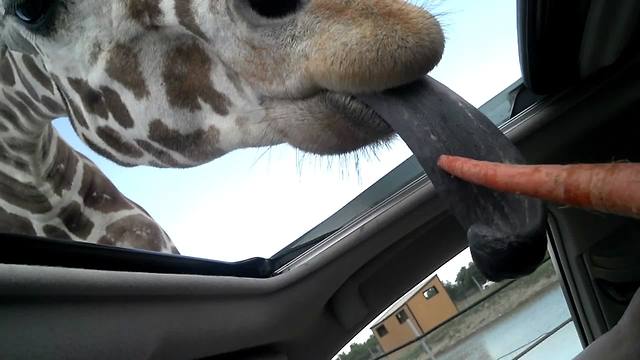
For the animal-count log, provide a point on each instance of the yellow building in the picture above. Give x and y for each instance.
(418, 312)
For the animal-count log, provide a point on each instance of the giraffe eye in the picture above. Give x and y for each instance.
(36, 15)
(32, 12)
(275, 9)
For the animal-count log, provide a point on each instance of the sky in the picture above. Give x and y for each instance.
(254, 202)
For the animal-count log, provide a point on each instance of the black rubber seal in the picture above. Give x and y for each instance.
(31, 250)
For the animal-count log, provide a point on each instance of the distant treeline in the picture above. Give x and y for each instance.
(468, 281)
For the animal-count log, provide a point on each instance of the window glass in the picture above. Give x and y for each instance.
(253, 202)
(402, 316)
(526, 318)
(430, 292)
(382, 331)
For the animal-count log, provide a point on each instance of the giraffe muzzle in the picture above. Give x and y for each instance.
(370, 45)
(506, 232)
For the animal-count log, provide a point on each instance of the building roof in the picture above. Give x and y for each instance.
(401, 301)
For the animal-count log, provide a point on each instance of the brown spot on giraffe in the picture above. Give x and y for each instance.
(186, 75)
(187, 19)
(21, 146)
(116, 142)
(200, 145)
(46, 143)
(145, 12)
(164, 157)
(11, 117)
(54, 232)
(63, 168)
(77, 118)
(76, 222)
(137, 231)
(24, 196)
(12, 161)
(23, 110)
(102, 151)
(235, 80)
(100, 102)
(91, 98)
(15, 224)
(24, 81)
(99, 193)
(77, 115)
(37, 73)
(123, 66)
(117, 108)
(51, 105)
(35, 108)
(6, 71)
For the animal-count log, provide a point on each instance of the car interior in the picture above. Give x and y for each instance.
(577, 103)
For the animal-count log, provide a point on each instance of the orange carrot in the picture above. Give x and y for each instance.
(613, 188)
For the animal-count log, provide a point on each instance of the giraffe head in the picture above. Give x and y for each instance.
(181, 82)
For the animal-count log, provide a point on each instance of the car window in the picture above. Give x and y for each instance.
(456, 313)
(254, 202)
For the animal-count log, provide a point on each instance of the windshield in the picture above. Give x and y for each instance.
(254, 202)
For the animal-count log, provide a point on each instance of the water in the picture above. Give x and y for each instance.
(521, 327)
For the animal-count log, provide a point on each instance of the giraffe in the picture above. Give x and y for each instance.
(179, 83)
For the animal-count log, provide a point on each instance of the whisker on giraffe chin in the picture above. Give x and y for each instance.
(432, 6)
(268, 148)
(347, 164)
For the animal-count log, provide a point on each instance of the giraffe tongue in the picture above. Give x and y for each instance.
(505, 232)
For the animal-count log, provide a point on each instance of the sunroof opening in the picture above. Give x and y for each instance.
(255, 202)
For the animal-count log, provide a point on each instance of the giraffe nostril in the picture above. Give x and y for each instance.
(274, 8)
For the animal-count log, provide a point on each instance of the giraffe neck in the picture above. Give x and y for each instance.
(47, 188)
